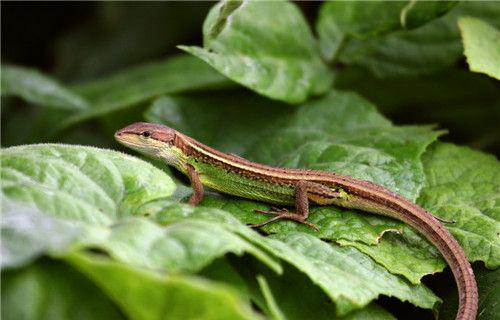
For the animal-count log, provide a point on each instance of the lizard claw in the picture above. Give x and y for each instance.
(282, 214)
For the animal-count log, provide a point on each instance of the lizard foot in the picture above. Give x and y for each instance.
(283, 214)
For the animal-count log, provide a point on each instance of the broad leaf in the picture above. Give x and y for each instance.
(432, 47)
(77, 183)
(340, 20)
(180, 247)
(39, 89)
(330, 267)
(97, 190)
(463, 185)
(262, 54)
(482, 46)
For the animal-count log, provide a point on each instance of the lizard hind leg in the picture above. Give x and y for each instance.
(303, 191)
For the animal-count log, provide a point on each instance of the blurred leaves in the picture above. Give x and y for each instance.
(149, 295)
(53, 290)
(430, 48)
(26, 234)
(118, 35)
(38, 89)
(482, 46)
(139, 84)
(340, 20)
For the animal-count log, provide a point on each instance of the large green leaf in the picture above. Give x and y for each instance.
(433, 46)
(54, 291)
(464, 186)
(337, 114)
(39, 89)
(482, 46)
(181, 247)
(144, 294)
(100, 191)
(138, 84)
(77, 183)
(350, 278)
(340, 20)
(262, 53)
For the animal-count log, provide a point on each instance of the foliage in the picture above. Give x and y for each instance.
(87, 232)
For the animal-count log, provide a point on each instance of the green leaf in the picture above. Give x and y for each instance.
(97, 190)
(357, 279)
(27, 233)
(432, 47)
(405, 253)
(467, 191)
(183, 245)
(138, 84)
(186, 246)
(262, 54)
(348, 277)
(481, 46)
(272, 153)
(39, 89)
(81, 183)
(340, 20)
(54, 291)
(144, 295)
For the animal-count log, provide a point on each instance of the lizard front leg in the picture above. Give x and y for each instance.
(302, 190)
(194, 177)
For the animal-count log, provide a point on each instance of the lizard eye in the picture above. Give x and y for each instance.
(146, 134)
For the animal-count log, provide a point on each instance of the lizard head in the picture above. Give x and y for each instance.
(154, 140)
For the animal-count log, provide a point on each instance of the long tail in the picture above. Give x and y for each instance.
(423, 221)
(434, 231)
